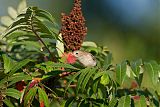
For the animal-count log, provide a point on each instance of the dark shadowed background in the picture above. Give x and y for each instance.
(129, 28)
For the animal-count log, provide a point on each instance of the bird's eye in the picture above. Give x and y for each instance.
(76, 53)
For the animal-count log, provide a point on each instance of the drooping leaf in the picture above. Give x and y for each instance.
(45, 15)
(18, 66)
(8, 102)
(43, 97)
(81, 78)
(113, 102)
(121, 73)
(108, 60)
(9, 31)
(141, 102)
(98, 74)
(87, 78)
(13, 93)
(69, 102)
(124, 101)
(71, 80)
(152, 69)
(8, 63)
(18, 77)
(28, 98)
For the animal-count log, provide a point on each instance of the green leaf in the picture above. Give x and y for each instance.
(152, 69)
(22, 5)
(8, 63)
(108, 60)
(18, 66)
(124, 101)
(9, 31)
(98, 74)
(12, 12)
(18, 77)
(121, 73)
(71, 80)
(105, 79)
(88, 76)
(136, 67)
(81, 78)
(40, 27)
(6, 21)
(113, 102)
(62, 65)
(45, 15)
(8, 102)
(30, 96)
(141, 102)
(89, 43)
(13, 93)
(43, 97)
(69, 102)
(18, 21)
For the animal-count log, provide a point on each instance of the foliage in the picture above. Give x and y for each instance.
(33, 73)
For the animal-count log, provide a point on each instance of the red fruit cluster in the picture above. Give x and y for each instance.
(73, 28)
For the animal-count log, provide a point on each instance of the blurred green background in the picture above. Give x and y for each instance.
(129, 28)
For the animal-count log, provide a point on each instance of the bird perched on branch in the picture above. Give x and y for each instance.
(85, 58)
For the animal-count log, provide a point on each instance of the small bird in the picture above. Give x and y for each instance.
(85, 58)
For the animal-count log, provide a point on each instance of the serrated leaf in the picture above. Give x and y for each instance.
(12, 12)
(43, 97)
(30, 96)
(8, 102)
(124, 101)
(6, 21)
(8, 63)
(22, 5)
(81, 78)
(13, 93)
(86, 79)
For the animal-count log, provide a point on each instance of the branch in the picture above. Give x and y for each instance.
(39, 38)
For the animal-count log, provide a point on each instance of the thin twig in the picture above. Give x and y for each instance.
(39, 38)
